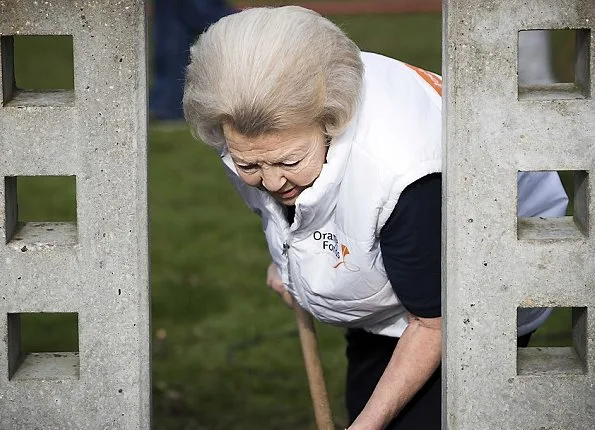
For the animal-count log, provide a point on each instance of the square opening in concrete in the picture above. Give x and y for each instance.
(37, 70)
(40, 211)
(559, 346)
(573, 225)
(554, 64)
(43, 346)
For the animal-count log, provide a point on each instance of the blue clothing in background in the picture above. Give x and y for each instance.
(176, 24)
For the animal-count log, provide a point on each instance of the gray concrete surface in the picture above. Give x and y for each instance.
(98, 266)
(495, 262)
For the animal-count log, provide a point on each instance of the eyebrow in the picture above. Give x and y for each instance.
(290, 155)
(240, 161)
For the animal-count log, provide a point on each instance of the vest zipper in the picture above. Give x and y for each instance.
(298, 290)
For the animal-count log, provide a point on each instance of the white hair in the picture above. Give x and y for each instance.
(264, 70)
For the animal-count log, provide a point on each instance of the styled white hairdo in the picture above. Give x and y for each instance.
(264, 70)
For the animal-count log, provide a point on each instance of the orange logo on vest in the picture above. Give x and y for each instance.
(330, 243)
(349, 266)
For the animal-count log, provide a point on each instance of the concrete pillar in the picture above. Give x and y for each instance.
(494, 261)
(96, 267)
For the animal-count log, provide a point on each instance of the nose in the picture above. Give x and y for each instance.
(273, 178)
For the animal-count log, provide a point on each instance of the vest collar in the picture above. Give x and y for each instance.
(315, 205)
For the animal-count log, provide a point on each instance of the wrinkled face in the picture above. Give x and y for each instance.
(284, 163)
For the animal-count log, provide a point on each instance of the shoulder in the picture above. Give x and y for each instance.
(399, 124)
(414, 81)
(396, 139)
(398, 119)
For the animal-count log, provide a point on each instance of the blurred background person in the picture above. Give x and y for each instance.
(176, 23)
(535, 58)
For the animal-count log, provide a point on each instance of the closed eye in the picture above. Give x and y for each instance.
(291, 164)
(248, 167)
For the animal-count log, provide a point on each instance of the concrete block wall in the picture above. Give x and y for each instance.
(495, 262)
(96, 267)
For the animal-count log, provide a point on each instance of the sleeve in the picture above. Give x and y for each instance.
(541, 194)
(410, 243)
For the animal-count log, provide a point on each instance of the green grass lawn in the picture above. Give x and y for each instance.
(226, 352)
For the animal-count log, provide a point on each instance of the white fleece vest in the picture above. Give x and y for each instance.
(329, 258)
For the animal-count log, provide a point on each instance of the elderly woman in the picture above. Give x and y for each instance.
(339, 152)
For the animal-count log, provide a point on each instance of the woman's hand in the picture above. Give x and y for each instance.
(274, 281)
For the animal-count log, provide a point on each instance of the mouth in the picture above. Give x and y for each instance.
(289, 194)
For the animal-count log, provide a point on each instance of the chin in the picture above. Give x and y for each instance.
(287, 202)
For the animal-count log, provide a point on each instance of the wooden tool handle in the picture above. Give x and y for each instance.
(320, 402)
